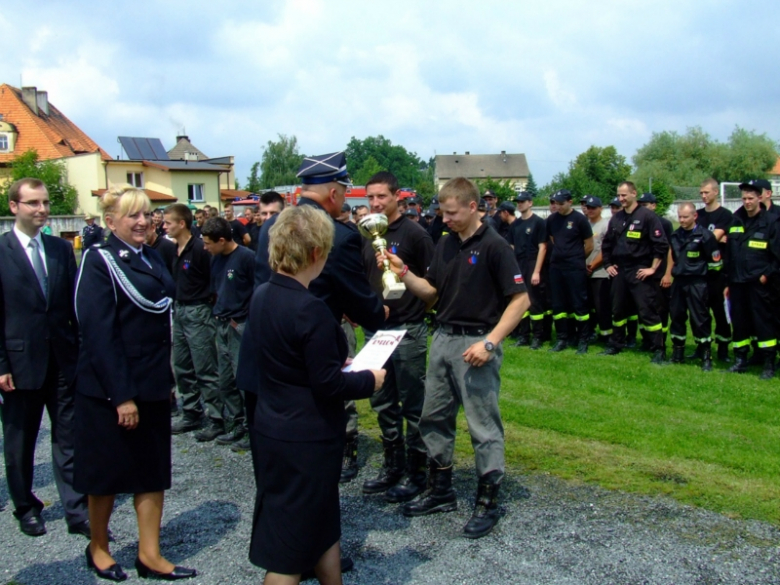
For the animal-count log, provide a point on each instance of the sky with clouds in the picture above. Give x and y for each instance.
(548, 79)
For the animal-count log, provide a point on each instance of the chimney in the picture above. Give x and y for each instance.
(28, 97)
(187, 138)
(454, 153)
(503, 152)
(467, 153)
(42, 100)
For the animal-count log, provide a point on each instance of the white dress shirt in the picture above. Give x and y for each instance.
(24, 240)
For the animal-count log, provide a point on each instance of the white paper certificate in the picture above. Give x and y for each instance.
(376, 351)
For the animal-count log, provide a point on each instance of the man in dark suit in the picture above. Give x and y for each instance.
(38, 354)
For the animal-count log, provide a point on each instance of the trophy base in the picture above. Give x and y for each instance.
(393, 291)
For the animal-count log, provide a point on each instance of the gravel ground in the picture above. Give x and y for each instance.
(552, 532)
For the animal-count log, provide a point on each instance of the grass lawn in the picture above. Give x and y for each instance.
(707, 439)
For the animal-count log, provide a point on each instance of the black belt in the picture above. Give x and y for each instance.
(227, 319)
(462, 330)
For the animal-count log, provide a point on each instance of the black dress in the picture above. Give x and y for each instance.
(123, 307)
(294, 349)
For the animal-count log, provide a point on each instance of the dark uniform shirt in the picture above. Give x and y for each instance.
(91, 234)
(239, 231)
(720, 219)
(436, 229)
(410, 242)
(192, 273)
(526, 235)
(569, 232)
(753, 248)
(668, 228)
(195, 231)
(694, 252)
(167, 251)
(233, 281)
(254, 233)
(474, 278)
(633, 240)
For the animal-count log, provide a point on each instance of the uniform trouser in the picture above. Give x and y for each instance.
(570, 301)
(690, 297)
(402, 395)
(21, 415)
(350, 407)
(195, 361)
(545, 276)
(774, 291)
(716, 283)
(664, 300)
(228, 345)
(533, 320)
(751, 315)
(601, 300)
(451, 382)
(629, 292)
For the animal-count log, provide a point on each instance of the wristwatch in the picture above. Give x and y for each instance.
(489, 346)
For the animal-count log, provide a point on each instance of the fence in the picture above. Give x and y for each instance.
(64, 226)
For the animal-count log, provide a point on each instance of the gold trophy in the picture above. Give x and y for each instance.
(373, 227)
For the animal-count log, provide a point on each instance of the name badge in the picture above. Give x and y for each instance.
(737, 229)
(693, 254)
(634, 235)
(757, 245)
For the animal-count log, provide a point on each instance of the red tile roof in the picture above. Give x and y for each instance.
(153, 195)
(231, 194)
(52, 135)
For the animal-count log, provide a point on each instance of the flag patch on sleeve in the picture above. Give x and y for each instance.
(518, 279)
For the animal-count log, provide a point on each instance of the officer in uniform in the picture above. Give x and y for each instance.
(694, 253)
(403, 474)
(92, 232)
(436, 227)
(663, 276)
(528, 237)
(600, 302)
(572, 238)
(752, 256)
(717, 220)
(481, 300)
(505, 214)
(632, 251)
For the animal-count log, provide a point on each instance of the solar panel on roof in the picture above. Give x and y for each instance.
(143, 148)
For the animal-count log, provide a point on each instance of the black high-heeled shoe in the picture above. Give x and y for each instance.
(178, 572)
(113, 573)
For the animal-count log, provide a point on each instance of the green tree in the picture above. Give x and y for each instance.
(597, 171)
(531, 187)
(280, 162)
(64, 197)
(406, 166)
(370, 168)
(253, 180)
(504, 190)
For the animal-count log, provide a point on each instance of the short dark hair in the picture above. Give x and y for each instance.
(13, 191)
(385, 178)
(271, 197)
(197, 211)
(216, 228)
(629, 184)
(359, 207)
(180, 212)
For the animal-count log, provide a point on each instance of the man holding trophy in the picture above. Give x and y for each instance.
(403, 474)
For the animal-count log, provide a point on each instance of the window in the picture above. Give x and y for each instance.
(136, 180)
(3, 142)
(195, 192)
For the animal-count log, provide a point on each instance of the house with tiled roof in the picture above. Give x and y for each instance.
(774, 177)
(501, 167)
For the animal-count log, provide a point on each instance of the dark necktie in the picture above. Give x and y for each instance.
(40, 271)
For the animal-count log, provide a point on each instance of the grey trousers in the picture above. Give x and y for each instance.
(451, 382)
(402, 395)
(350, 408)
(228, 345)
(195, 361)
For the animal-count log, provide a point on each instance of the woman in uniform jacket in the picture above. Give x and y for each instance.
(295, 350)
(123, 429)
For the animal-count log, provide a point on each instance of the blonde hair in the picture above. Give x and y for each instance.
(460, 189)
(296, 233)
(123, 200)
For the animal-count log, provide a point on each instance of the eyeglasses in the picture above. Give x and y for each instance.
(36, 204)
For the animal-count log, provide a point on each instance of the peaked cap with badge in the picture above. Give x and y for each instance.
(324, 168)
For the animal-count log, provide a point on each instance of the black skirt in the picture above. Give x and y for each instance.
(297, 516)
(109, 459)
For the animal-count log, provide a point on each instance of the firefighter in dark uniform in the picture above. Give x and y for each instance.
(663, 276)
(572, 237)
(752, 258)
(436, 227)
(716, 219)
(528, 237)
(92, 232)
(632, 251)
(694, 253)
(504, 218)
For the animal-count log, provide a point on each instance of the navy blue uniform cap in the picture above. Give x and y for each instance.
(324, 168)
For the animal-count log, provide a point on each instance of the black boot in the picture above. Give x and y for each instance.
(485, 513)
(659, 355)
(536, 343)
(439, 497)
(740, 361)
(678, 354)
(349, 466)
(756, 358)
(706, 357)
(769, 365)
(392, 470)
(560, 345)
(522, 341)
(413, 482)
(696, 355)
(723, 353)
(582, 347)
